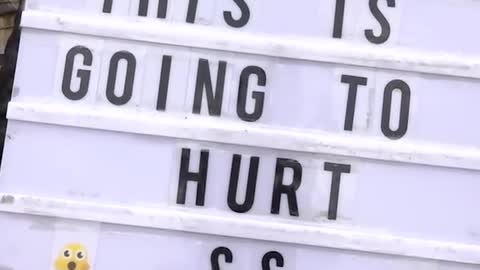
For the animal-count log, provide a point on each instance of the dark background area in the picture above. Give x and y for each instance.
(10, 14)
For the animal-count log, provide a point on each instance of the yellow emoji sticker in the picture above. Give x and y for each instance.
(72, 257)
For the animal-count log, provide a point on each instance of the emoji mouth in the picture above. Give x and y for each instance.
(71, 265)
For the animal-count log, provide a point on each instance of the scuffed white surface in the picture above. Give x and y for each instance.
(331, 51)
(430, 25)
(125, 248)
(224, 131)
(392, 217)
(258, 229)
(143, 170)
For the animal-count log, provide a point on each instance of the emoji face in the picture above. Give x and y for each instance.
(72, 257)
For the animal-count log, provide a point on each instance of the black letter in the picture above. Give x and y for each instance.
(338, 23)
(162, 9)
(192, 11)
(404, 109)
(257, 96)
(83, 74)
(204, 81)
(290, 190)
(272, 255)
(164, 82)
(337, 170)
(185, 176)
(216, 254)
(251, 185)
(243, 20)
(383, 23)
(107, 6)
(354, 82)
(129, 79)
(143, 8)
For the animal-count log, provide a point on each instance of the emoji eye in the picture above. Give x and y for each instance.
(80, 255)
(67, 253)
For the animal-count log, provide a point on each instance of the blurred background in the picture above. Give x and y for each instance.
(8, 10)
(9, 38)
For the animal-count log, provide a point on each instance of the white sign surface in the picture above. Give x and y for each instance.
(429, 24)
(285, 144)
(265, 91)
(315, 189)
(121, 247)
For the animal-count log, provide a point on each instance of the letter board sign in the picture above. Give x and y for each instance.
(243, 135)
